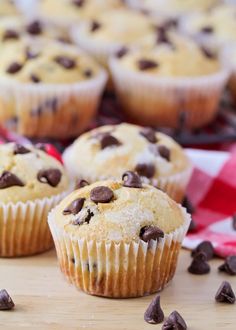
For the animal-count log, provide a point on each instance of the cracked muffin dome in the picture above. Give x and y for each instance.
(46, 62)
(118, 211)
(28, 173)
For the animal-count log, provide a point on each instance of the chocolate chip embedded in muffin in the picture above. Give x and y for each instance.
(88, 73)
(50, 176)
(84, 217)
(154, 314)
(150, 134)
(94, 26)
(107, 140)
(131, 180)
(65, 62)
(207, 29)
(82, 183)
(78, 3)
(146, 64)
(34, 78)
(147, 170)
(164, 152)
(20, 149)
(14, 68)
(10, 34)
(6, 303)
(101, 194)
(121, 52)
(174, 321)
(209, 54)
(34, 28)
(225, 294)
(75, 207)
(151, 232)
(8, 179)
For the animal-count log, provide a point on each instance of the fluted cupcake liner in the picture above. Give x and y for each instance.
(23, 226)
(118, 270)
(151, 100)
(228, 55)
(50, 110)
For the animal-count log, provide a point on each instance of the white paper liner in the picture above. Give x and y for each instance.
(118, 270)
(150, 100)
(23, 226)
(64, 109)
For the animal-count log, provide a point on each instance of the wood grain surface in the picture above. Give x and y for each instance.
(44, 300)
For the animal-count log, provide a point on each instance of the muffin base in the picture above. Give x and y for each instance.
(118, 270)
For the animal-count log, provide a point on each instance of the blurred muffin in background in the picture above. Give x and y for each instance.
(160, 85)
(48, 89)
(228, 56)
(8, 8)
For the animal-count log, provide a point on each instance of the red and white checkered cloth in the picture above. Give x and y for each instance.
(212, 191)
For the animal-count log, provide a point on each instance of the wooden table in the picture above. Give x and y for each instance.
(44, 300)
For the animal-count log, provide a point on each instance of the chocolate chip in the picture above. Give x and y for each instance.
(65, 62)
(234, 222)
(150, 134)
(229, 266)
(162, 36)
(88, 73)
(78, 3)
(147, 170)
(131, 180)
(20, 150)
(146, 64)
(75, 207)
(199, 265)
(6, 303)
(151, 232)
(35, 78)
(188, 205)
(34, 28)
(207, 29)
(205, 247)
(225, 294)
(164, 152)
(121, 52)
(50, 176)
(174, 322)
(84, 218)
(208, 53)
(192, 226)
(8, 179)
(154, 313)
(82, 183)
(107, 140)
(10, 34)
(171, 23)
(14, 68)
(94, 26)
(101, 194)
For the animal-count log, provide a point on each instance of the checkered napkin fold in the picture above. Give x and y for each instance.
(212, 192)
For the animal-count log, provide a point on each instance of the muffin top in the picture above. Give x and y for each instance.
(72, 10)
(109, 151)
(120, 26)
(28, 173)
(172, 59)
(14, 28)
(8, 8)
(45, 62)
(118, 211)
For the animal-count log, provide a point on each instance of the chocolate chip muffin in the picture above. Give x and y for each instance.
(31, 183)
(160, 86)
(48, 89)
(111, 150)
(8, 8)
(229, 59)
(118, 238)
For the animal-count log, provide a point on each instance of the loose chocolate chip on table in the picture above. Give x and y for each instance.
(205, 247)
(20, 150)
(164, 152)
(78, 3)
(199, 265)
(50, 176)
(234, 221)
(74, 207)
(208, 53)
(8, 179)
(14, 67)
(107, 140)
(225, 294)
(95, 26)
(101, 194)
(146, 64)
(207, 29)
(121, 52)
(10, 34)
(154, 313)
(229, 266)
(131, 180)
(88, 73)
(65, 62)
(34, 78)
(188, 205)
(6, 303)
(147, 170)
(150, 134)
(82, 183)
(150, 232)
(34, 28)
(174, 322)
(86, 217)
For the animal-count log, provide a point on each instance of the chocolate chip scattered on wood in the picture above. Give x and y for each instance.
(229, 266)
(174, 322)
(225, 294)
(206, 247)
(199, 265)
(6, 303)
(154, 313)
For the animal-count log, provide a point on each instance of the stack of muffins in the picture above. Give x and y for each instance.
(118, 234)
